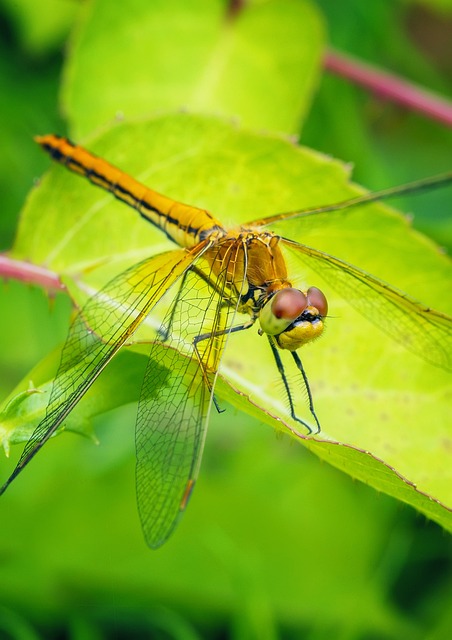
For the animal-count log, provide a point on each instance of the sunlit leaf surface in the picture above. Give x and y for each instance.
(259, 64)
(384, 411)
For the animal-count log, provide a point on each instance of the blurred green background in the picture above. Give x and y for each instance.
(275, 544)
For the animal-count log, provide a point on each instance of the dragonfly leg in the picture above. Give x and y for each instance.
(300, 368)
(217, 334)
(279, 364)
(165, 331)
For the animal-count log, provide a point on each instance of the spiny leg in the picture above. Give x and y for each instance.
(165, 331)
(282, 373)
(217, 334)
(300, 368)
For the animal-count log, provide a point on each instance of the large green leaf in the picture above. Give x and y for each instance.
(26, 405)
(384, 411)
(260, 64)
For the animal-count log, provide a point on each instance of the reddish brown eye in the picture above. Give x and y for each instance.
(317, 299)
(289, 303)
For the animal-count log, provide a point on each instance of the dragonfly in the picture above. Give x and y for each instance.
(222, 281)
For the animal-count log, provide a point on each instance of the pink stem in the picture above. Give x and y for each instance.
(31, 273)
(390, 86)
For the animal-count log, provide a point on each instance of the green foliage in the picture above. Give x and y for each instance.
(41, 27)
(386, 144)
(195, 57)
(30, 106)
(274, 544)
(241, 176)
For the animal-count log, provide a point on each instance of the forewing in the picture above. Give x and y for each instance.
(98, 331)
(420, 329)
(176, 399)
(318, 212)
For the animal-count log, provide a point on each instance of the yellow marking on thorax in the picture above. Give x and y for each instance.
(246, 259)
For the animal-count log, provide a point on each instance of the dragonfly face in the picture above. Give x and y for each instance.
(293, 317)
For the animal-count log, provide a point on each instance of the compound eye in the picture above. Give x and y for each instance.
(281, 310)
(317, 299)
(288, 304)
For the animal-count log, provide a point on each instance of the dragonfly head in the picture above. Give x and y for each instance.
(294, 317)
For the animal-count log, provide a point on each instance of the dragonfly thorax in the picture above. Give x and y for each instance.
(294, 318)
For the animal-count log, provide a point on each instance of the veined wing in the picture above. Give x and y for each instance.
(364, 198)
(177, 395)
(98, 331)
(420, 329)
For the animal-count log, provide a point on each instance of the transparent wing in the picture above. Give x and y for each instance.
(420, 329)
(98, 331)
(444, 179)
(177, 396)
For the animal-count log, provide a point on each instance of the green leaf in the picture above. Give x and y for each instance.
(387, 142)
(26, 406)
(42, 26)
(260, 64)
(31, 91)
(384, 411)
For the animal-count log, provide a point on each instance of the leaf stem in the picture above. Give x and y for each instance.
(390, 86)
(30, 273)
